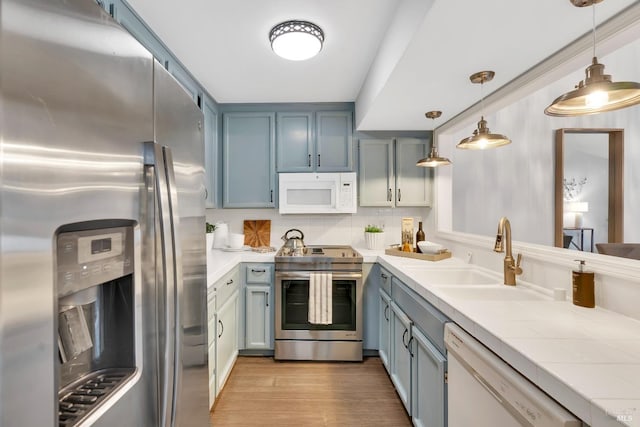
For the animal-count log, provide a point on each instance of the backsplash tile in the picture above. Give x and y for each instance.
(339, 229)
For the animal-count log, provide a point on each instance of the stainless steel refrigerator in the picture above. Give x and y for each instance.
(102, 261)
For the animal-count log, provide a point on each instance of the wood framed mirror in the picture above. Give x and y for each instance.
(590, 159)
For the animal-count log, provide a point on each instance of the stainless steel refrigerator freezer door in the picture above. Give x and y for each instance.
(178, 125)
(76, 105)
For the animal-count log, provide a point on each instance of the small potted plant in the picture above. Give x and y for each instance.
(210, 228)
(374, 237)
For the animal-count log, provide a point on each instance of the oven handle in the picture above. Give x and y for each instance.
(307, 274)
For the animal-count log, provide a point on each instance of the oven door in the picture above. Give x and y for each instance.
(292, 308)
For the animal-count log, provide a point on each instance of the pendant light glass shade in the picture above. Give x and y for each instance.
(434, 159)
(296, 40)
(596, 93)
(482, 138)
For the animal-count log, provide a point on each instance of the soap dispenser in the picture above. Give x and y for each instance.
(583, 289)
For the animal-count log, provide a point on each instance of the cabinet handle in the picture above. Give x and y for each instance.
(253, 270)
(230, 282)
(222, 328)
(384, 276)
(409, 347)
(206, 194)
(399, 195)
(271, 197)
(267, 299)
(389, 195)
(309, 160)
(404, 334)
(386, 313)
(318, 160)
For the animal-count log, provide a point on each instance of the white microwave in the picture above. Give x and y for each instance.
(317, 193)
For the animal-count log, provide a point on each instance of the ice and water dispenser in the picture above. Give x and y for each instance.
(96, 317)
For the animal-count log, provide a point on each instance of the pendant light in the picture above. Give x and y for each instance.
(296, 40)
(596, 93)
(434, 159)
(482, 138)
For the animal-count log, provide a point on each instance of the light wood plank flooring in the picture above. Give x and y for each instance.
(264, 392)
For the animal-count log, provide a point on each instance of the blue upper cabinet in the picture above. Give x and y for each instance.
(186, 81)
(321, 145)
(334, 141)
(127, 17)
(248, 160)
(295, 146)
(211, 152)
(389, 175)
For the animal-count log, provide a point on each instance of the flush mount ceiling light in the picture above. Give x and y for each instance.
(296, 40)
(434, 159)
(482, 138)
(596, 93)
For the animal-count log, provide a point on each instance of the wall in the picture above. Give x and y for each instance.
(324, 229)
(517, 180)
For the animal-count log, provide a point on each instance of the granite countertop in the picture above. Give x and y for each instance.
(586, 359)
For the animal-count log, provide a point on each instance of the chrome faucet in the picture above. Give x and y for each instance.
(511, 267)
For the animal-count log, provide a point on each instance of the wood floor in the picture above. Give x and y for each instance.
(264, 392)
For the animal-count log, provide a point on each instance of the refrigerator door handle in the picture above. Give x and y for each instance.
(177, 280)
(155, 157)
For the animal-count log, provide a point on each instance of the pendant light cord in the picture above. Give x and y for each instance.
(593, 8)
(482, 98)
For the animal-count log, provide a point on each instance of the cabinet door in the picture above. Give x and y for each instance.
(211, 340)
(211, 152)
(249, 160)
(334, 141)
(385, 328)
(427, 382)
(227, 339)
(295, 142)
(400, 357)
(413, 183)
(376, 177)
(258, 317)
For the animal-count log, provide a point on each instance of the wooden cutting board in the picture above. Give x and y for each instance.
(257, 232)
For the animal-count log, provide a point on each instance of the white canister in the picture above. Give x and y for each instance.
(220, 235)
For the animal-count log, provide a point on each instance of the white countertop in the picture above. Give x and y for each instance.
(587, 359)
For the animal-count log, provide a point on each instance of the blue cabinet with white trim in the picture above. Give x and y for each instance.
(315, 142)
(248, 160)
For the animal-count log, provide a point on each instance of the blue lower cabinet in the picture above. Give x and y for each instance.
(428, 367)
(384, 324)
(258, 314)
(400, 357)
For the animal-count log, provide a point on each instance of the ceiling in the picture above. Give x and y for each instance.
(396, 59)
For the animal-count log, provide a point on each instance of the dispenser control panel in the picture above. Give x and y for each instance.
(91, 257)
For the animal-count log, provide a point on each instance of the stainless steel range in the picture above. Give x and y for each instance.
(299, 335)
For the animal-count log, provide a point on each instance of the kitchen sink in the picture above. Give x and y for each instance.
(452, 277)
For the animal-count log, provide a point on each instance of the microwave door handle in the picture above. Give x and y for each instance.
(154, 159)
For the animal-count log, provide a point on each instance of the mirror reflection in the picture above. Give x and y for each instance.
(518, 180)
(589, 188)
